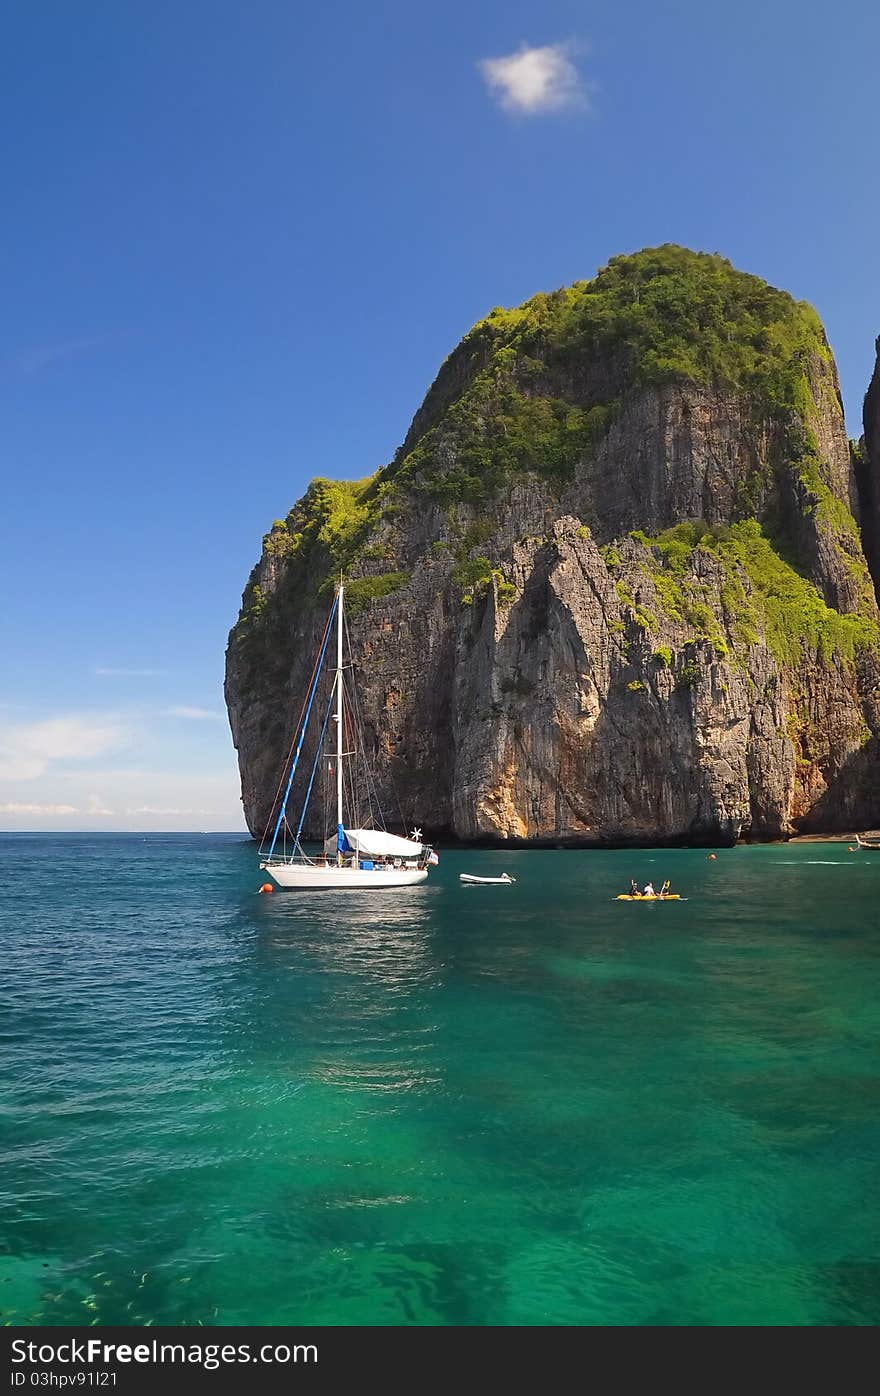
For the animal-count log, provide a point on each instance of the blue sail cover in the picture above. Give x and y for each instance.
(342, 843)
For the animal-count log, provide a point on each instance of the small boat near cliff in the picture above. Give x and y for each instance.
(358, 854)
(502, 881)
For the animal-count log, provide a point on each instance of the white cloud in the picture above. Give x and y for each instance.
(66, 774)
(194, 714)
(537, 80)
(47, 811)
(27, 749)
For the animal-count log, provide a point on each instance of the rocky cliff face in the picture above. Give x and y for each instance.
(611, 588)
(867, 467)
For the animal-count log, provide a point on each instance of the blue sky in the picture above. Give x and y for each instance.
(237, 242)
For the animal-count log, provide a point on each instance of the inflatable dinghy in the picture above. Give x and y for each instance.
(503, 880)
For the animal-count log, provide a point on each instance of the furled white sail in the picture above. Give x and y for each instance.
(376, 843)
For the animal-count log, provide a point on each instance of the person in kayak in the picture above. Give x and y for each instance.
(634, 888)
(649, 890)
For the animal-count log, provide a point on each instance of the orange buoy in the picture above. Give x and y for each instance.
(851, 849)
(711, 856)
(267, 887)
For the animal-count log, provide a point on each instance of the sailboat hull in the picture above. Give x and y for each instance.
(306, 877)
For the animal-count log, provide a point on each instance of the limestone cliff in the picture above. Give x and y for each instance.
(610, 589)
(866, 455)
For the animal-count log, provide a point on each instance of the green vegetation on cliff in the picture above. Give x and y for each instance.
(760, 593)
(335, 514)
(682, 316)
(547, 378)
(323, 535)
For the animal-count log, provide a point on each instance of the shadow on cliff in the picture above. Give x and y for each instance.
(852, 800)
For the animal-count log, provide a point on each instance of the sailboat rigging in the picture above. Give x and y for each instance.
(353, 857)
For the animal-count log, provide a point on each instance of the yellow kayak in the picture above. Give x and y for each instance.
(657, 897)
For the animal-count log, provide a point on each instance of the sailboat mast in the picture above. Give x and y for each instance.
(339, 708)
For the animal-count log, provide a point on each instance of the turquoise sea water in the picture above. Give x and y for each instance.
(445, 1105)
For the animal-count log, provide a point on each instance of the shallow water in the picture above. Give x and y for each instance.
(446, 1104)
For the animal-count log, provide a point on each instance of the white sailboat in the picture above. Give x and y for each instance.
(361, 858)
